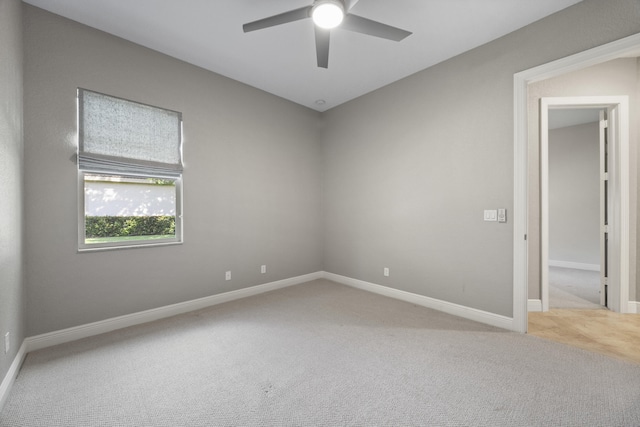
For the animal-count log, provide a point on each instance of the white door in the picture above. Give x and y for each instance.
(604, 203)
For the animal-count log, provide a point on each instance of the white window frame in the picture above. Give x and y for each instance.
(89, 247)
(92, 247)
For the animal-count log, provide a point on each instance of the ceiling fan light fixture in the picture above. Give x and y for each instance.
(327, 14)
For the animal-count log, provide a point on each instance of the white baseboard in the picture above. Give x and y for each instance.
(436, 304)
(576, 265)
(8, 380)
(634, 307)
(83, 331)
(91, 329)
(534, 305)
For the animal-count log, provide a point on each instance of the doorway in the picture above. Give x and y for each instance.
(577, 207)
(613, 182)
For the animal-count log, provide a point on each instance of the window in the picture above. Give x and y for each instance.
(129, 173)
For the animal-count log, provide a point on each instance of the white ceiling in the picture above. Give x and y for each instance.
(281, 60)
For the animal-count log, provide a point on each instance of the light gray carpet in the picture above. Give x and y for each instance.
(571, 288)
(321, 354)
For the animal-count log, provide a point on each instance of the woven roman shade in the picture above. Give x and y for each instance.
(126, 137)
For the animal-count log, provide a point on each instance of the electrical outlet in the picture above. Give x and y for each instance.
(263, 269)
(385, 272)
(7, 342)
(227, 275)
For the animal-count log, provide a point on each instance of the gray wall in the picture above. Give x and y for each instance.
(617, 77)
(410, 168)
(574, 194)
(12, 305)
(251, 180)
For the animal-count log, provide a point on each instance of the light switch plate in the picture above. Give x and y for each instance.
(490, 215)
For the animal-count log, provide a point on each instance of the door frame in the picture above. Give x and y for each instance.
(628, 46)
(619, 180)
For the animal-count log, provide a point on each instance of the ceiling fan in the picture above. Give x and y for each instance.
(326, 15)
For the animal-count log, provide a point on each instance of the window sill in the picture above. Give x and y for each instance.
(97, 248)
